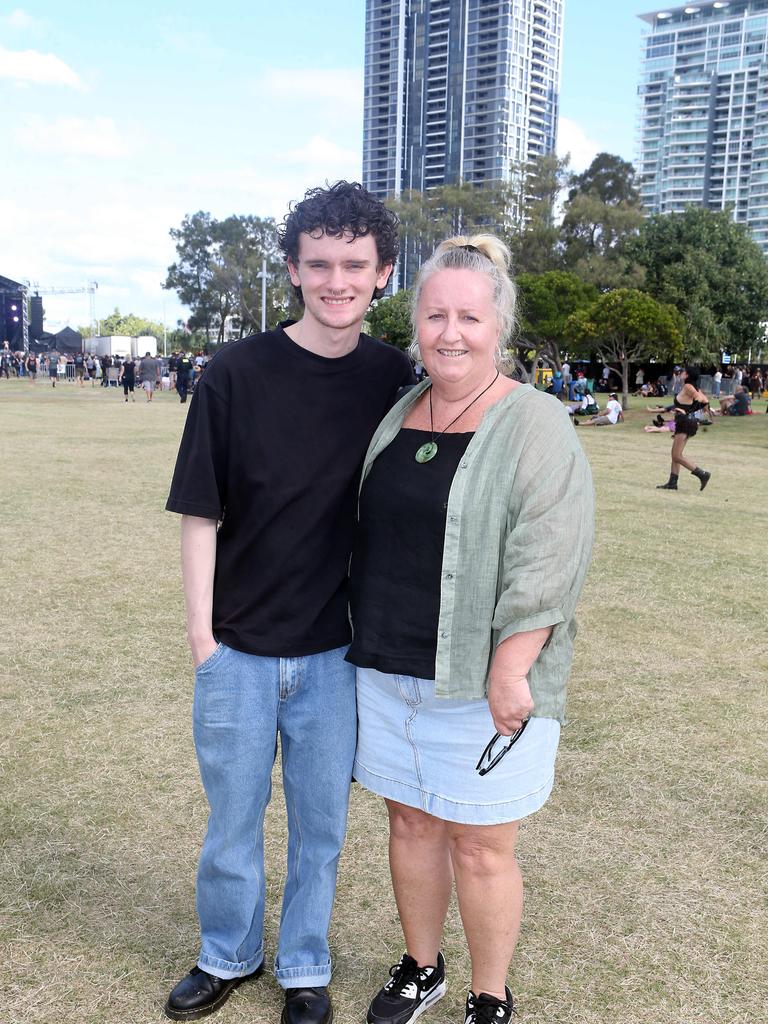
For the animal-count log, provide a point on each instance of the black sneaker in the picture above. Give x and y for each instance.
(485, 1009)
(410, 991)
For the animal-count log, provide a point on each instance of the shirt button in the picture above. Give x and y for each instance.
(453, 519)
(444, 636)
(464, 465)
(449, 575)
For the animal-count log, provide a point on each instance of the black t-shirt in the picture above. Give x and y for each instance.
(398, 556)
(273, 446)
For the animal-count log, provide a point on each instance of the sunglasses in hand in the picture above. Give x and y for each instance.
(489, 760)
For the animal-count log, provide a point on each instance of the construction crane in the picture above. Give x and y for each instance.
(88, 288)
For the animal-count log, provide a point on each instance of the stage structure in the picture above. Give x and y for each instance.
(37, 309)
(13, 315)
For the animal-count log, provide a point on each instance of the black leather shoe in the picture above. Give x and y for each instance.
(201, 993)
(307, 1006)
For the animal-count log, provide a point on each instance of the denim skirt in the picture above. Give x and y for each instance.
(421, 750)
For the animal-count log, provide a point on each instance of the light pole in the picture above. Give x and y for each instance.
(263, 275)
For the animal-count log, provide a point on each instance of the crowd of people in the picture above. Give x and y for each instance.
(180, 371)
(689, 409)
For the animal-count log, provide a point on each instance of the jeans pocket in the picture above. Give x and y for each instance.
(212, 658)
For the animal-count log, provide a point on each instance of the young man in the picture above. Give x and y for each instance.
(266, 482)
(80, 369)
(149, 373)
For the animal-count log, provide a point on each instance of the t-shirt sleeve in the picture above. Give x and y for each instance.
(199, 485)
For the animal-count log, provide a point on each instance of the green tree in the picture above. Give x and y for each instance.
(602, 213)
(713, 272)
(191, 277)
(217, 268)
(426, 218)
(627, 325)
(390, 320)
(546, 302)
(131, 325)
(533, 235)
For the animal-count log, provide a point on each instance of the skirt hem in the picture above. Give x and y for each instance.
(498, 813)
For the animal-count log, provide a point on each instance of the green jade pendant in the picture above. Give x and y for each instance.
(426, 452)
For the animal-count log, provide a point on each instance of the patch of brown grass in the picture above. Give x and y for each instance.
(645, 873)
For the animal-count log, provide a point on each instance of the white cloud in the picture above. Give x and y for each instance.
(291, 104)
(75, 136)
(110, 223)
(113, 234)
(178, 32)
(19, 20)
(33, 67)
(571, 138)
(319, 150)
(313, 85)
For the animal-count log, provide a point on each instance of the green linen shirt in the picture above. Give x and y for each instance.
(518, 539)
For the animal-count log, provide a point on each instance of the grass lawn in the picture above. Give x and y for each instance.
(645, 873)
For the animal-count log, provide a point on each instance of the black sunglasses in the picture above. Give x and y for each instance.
(489, 760)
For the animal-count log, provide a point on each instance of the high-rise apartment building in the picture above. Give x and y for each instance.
(704, 110)
(458, 89)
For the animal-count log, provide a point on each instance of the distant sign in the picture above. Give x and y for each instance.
(726, 359)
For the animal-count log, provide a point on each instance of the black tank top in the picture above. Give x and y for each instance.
(694, 406)
(395, 577)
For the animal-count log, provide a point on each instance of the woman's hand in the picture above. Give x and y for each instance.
(509, 701)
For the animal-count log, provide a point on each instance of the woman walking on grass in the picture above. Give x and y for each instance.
(687, 402)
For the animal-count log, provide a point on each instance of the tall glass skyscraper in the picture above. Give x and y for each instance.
(704, 110)
(458, 89)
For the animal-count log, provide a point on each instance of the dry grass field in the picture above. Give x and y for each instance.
(645, 873)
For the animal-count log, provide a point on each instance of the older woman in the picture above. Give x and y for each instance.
(476, 515)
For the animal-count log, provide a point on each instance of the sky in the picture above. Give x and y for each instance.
(119, 119)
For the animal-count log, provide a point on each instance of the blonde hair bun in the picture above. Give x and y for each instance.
(487, 245)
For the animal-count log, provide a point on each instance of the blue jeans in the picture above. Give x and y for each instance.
(242, 703)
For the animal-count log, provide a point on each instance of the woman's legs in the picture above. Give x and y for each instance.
(421, 877)
(678, 444)
(424, 853)
(489, 887)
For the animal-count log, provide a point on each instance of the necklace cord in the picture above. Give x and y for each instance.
(431, 420)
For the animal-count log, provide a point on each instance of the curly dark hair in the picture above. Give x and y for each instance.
(335, 210)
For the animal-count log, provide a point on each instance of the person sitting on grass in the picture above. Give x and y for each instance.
(612, 415)
(585, 406)
(737, 404)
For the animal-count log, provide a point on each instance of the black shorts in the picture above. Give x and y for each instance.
(684, 424)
